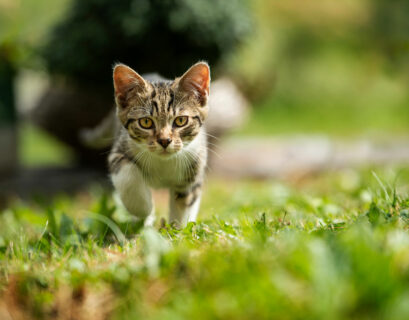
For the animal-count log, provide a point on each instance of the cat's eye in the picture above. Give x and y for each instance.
(146, 123)
(180, 121)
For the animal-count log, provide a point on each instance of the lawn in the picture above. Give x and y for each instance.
(333, 246)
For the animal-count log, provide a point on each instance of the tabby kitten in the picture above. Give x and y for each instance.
(161, 142)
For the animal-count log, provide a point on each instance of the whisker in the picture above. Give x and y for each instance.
(212, 136)
(213, 145)
(215, 153)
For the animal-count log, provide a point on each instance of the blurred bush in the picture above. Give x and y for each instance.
(162, 36)
(290, 35)
(23, 27)
(389, 31)
(326, 66)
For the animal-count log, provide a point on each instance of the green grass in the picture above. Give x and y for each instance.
(334, 246)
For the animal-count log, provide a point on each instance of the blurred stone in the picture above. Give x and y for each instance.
(286, 157)
(65, 109)
(30, 86)
(228, 108)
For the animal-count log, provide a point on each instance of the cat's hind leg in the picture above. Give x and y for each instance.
(132, 189)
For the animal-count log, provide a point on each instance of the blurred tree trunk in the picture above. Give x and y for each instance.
(8, 136)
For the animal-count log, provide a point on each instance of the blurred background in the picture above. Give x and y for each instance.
(321, 85)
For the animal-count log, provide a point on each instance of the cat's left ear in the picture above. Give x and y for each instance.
(196, 81)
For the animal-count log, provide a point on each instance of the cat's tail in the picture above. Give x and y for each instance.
(102, 136)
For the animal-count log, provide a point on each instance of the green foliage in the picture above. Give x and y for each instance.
(23, 26)
(389, 31)
(326, 68)
(261, 251)
(150, 35)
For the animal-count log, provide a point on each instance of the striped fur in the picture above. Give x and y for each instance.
(140, 160)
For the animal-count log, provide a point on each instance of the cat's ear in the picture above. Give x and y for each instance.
(126, 79)
(196, 81)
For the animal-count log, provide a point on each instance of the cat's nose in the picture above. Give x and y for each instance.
(164, 142)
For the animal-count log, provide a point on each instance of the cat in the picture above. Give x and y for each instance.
(161, 141)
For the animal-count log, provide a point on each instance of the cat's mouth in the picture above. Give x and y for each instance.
(165, 153)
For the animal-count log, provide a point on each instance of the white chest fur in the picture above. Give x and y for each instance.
(165, 173)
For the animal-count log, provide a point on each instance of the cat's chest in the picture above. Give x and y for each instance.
(165, 173)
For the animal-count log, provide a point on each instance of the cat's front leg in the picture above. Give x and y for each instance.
(132, 189)
(185, 203)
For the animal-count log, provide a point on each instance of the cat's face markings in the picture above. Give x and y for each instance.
(162, 101)
(177, 109)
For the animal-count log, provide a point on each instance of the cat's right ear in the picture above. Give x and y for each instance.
(196, 81)
(125, 80)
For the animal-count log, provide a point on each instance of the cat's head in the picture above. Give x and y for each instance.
(164, 116)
